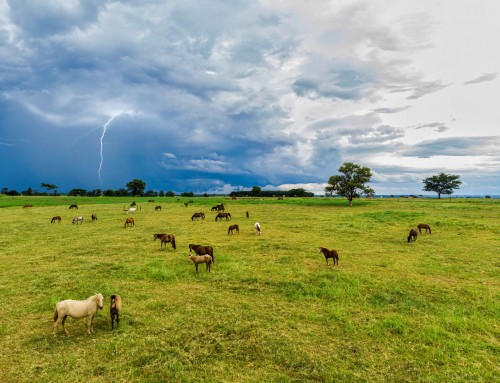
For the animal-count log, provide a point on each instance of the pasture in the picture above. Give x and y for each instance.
(270, 310)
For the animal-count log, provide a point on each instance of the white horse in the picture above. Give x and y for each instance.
(76, 310)
(132, 210)
(76, 220)
(257, 228)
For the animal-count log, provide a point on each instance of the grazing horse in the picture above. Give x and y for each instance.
(76, 220)
(198, 215)
(330, 254)
(131, 210)
(94, 217)
(218, 207)
(257, 228)
(76, 310)
(164, 239)
(223, 215)
(233, 227)
(115, 307)
(56, 218)
(424, 226)
(158, 207)
(151, 200)
(197, 259)
(202, 250)
(27, 206)
(73, 207)
(129, 222)
(248, 214)
(413, 235)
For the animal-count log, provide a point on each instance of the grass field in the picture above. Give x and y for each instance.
(270, 310)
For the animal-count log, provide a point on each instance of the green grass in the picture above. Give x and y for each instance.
(270, 310)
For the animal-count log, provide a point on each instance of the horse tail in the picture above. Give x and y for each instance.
(56, 314)
(173, 243)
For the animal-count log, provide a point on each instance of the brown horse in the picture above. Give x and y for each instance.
(158, 207)
(129, 222)
(27, 206)
(424, 226)
(198, 215)
(233, 227)
(56, 218)
(73, 206)
(330, 254)
(202, 250)
(248, 214)
(164, 239)
(413, 235)
(218, 207)
(94, 217)
(197, 259)
(223, 215)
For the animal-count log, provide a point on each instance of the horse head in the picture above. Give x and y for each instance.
(100, 300)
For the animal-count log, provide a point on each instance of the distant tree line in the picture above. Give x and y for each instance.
(258, 192)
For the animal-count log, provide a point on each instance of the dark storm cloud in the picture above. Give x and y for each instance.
(456, 146)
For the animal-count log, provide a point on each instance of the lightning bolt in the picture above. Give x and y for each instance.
(104, 129)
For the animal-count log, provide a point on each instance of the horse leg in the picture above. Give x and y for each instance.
(90, 329)
(196, 267)
(62, 323)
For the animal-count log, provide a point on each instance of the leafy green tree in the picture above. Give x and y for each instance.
(49, 187)
(256, 190)
(161, 194)
(300, 192)
(136, 187)
(351, 183)
(442, 183)
(170, 193)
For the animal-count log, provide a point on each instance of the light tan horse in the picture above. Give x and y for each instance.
(76, 310)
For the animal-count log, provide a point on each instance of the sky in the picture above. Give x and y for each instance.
(211, 96)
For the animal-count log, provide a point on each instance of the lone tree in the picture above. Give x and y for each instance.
(49, 187)
(256, 190)
(351, 183)
(442, 183)
(136, 187)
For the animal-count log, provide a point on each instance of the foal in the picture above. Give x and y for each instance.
(233, 227)
(197, 259)
(129, 222)
(413, 235)
(330, 254)
(114, 309)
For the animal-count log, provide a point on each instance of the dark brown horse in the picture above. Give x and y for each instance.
(424, 226)
(94, 217)
(129, 222)
(158, 207)
(223, 215)
(164, 239)
(27, 206)
(413, 235)
(73, 206)
(330, 254)
(233, 227)
(198, 215)
(218, 207)
(248, 214)
(56, 218)
(202, 250)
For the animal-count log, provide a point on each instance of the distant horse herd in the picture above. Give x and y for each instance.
(202, 254)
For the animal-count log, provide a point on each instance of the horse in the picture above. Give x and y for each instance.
(129, 222)
(151, 200)
(158, 207)
(115, 307)
(76, 220)
(94, 217)
(257, 228)
(223, 215)
(73, 207)
(131, 210)
(248, 214)
(413, 235)
(164, 239)
(202, 250)
(197, 259)
(233, 227)
(198, 215)
(27, 206)
(330, 254)
(424, 226)
(218, 207)
(76, 310)
(56, 218)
